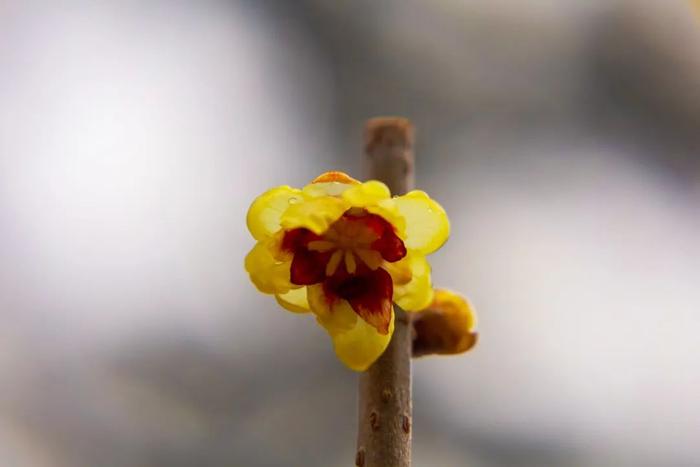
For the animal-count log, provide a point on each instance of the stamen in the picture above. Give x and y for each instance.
(350, 264)
(320, 245)
(334, 262)
(371, 258)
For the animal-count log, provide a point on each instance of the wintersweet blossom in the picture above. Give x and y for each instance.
(344, 251)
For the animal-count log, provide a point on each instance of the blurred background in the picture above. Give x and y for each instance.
(563, 138)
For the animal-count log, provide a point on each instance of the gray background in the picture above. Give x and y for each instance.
(562, 138)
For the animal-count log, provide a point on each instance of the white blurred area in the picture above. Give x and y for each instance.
(133, 137)
(132, 140)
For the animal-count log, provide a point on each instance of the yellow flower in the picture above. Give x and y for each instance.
(346, 250)
(446, 327)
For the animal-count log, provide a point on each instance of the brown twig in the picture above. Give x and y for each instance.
(384, 425)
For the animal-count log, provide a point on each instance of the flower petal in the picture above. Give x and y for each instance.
(418, 292)
(318, 190)
(446, 327)
(389, 211)
(315, 214)
(264, 215)
(400, 271)
(308, 267)
(427, 225)
(295, 300)
(268, 274)
(335, 176)
(329, 184)
(361, 345)
(366, 194)
(369, 294)
(390, 246)
(332, 313)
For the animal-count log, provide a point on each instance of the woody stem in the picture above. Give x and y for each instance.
(384, 424)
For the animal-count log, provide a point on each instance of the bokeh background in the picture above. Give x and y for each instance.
(562, 137)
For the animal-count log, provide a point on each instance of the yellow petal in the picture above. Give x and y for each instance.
(295, 300)
(400, 271)
(366, 194)
(315, 214)
(427, 225)
(375, 197)
(361, 345)
(418, 292)
(446, 327)
(333, 315)
(264, 215)
(268, 274)
(317, 190)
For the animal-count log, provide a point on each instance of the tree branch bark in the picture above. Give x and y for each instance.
(385, 407)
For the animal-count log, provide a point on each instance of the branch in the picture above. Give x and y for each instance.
(384, 424)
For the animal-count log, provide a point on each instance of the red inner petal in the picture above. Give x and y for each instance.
(390, 246)
(368, 292)
(298, 238)
(308, 267)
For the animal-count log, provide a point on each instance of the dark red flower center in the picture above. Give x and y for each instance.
(347, 260)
